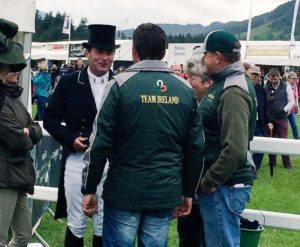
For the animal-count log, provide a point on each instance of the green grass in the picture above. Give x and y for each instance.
(279, 194)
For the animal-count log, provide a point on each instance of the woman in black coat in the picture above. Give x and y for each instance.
(18, 134)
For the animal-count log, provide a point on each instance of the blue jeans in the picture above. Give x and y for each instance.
(221, 215)
(121, 227)
(41, 106)
(293, 122)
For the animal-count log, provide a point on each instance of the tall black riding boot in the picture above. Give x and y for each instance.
(97, 241)
(71, 240)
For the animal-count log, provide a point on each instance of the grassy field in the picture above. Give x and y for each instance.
(279, 194)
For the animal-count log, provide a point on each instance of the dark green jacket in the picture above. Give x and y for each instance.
(229, 114)
(150, 129)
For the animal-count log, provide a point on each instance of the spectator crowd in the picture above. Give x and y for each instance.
(144, 144)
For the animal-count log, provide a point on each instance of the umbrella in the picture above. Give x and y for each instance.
(271, 163)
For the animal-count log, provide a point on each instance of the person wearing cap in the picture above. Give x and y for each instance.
(262, 121)
(150, 129)
(229, 112)
(76, 101)
(18, 135)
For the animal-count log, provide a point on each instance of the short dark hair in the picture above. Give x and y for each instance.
(274, 72)
(234, 56)
(150, 41)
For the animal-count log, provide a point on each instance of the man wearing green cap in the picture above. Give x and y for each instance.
(18, 134)
(229, 114)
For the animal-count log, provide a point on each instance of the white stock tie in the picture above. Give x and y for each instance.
(98, 93)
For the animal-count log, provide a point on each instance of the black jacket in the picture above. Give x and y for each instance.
(277, 99)
(73, 103)
(16, 167)
(262, 107)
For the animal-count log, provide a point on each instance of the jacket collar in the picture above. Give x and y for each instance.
(83, 76)
(13, 91)
(232, 69)
(149, 65)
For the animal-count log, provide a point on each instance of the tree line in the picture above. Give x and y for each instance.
(48, 28)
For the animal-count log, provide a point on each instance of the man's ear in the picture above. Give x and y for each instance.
(135, 56)
(219, 57)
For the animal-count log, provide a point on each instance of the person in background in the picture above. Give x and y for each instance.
(149, 128)
(42, 80)
(70, 68)
(280, 101)
(229, 113)
(292, 80)
(190, 228)
(79, 64)
(262, 121)
(53, 74)
(176, 68)
(195, 76)
(246, 66)
(18, 135)
(76, 101)
(64, 70)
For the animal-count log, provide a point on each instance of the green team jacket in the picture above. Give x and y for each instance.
(150, 129)
(229, 115)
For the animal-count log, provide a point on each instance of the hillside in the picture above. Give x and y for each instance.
(274, 25)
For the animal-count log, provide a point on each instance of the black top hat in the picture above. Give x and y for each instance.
(101, 37)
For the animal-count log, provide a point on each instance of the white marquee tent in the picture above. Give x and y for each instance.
(257, 52)
(60, 50)
(22, 13)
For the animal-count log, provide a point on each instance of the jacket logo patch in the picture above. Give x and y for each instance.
(160, 87)
(210, 97)
(157, 99)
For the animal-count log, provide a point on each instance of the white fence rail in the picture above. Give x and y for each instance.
(258, 145)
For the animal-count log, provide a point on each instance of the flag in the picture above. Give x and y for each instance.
(67, 25)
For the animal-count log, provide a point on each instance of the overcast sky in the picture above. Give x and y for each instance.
(130, 13)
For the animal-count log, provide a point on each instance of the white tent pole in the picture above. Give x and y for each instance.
(292, 41)
(249, 23)
(248, 29)
(294, 22)
(68, 59)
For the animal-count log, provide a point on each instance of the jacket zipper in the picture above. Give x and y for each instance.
(201, 173)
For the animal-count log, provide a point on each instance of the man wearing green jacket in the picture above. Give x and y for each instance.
(150, 129)
(229, 113)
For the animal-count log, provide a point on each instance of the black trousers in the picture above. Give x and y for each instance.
(190, 229)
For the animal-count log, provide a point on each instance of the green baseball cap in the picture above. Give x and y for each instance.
(221, 41)
(11, 52)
